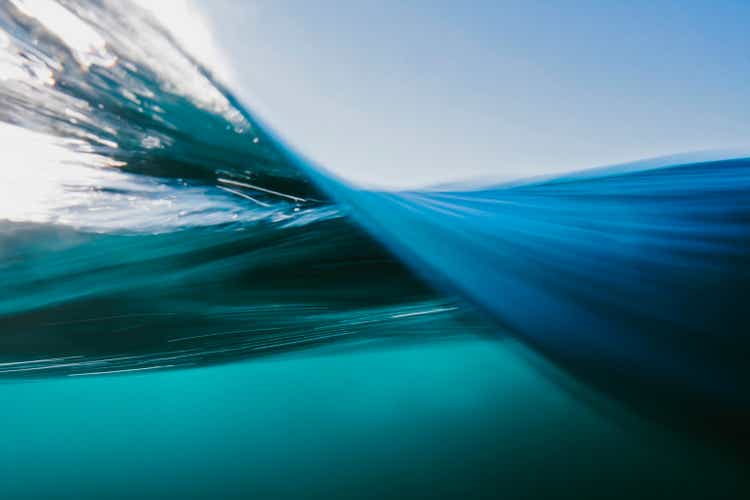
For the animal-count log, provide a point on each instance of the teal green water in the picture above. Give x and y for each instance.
(455, 419)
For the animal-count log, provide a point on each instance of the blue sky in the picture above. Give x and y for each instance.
(404, 93)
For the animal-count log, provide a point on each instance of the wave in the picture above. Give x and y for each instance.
(151, 221)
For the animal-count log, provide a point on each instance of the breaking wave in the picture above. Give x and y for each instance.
(149, 220)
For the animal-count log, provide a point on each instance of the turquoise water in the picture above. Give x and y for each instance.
(456, 419)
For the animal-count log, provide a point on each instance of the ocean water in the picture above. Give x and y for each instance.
(191, 309)
(460, 418)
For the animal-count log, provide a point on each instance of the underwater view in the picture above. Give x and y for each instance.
(190, 307)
